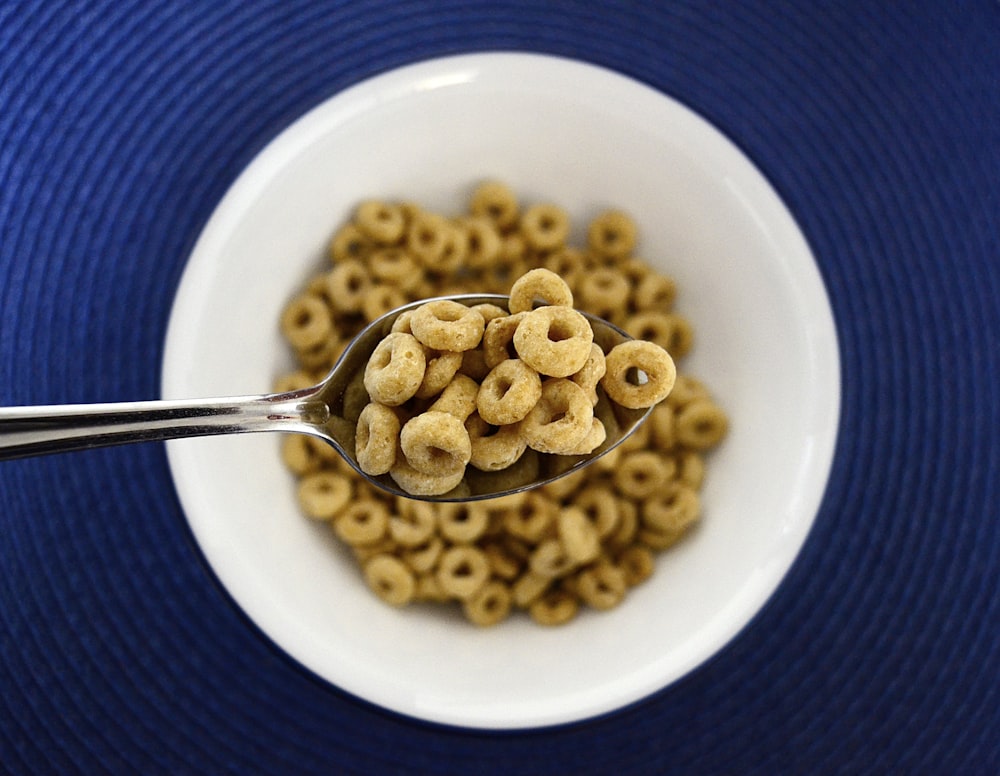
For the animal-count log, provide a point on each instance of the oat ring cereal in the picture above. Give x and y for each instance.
(612, 234)
(362, 522)
(347, 284)
(435, 443)
(560, 420)
(593, 439)
(383, 222)
(375, 438)
(508, 393)
(545, 226)
(447, 325)
(590, 374)
(555, 341)
(490, 605)
(700, 424)
(458, 399)
(602, 586)
(539, 284)
(390, 578)
(462, 571)
(497, 202)
(501, 393)
(498, 339)
(636, 355)
(442, 366)
(578, 536)
(413, 524)
(323, 494)
(395, 369)
(494, 449)
(420, 484)
(306, 322)
(671, 510)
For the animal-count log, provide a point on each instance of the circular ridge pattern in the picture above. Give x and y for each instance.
(121, 124)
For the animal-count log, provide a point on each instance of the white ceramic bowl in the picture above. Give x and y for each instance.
(586, 138)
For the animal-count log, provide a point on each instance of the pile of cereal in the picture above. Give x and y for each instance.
(426, 421)
(583, 540)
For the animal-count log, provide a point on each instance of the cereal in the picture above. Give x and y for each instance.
(528, 588)
(577, 535)
(555, 341)
(508, 393)
(490, 605)
(656, 364)
(691, 468)
(517, 391)
(604, 291)
(414, 523)
(494, 448)
(376, 438)
(560, 420)
(422, 484)
(545, 226)
(361, 522)
(593, 439)
(673, 509)
(700, 424)
(654, 292)
(323, 494)
(424, 559)
(532, 519)
(395, 267)
(349, 243)
(589, 375)
(435, 443)
(601, 507)
(441, 368)
(462, 523)
(539, 284)
(447, 325)
(652, 325)
(391, 580)
(396, 369)
(381, 222)
(497, 202)
(612, 234)
(428, 240)
(483, 241)
(602, 585)
(462, 571)
(306, 322)
(556, 607)
(347, 284)
(642, 473)
(381, 300)
(551, 560)
(297, 455)
(458, 398)
(502, 563)
(498, 339)
(636, 563)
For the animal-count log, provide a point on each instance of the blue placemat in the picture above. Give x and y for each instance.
(122, 124)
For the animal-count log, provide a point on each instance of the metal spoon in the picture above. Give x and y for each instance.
(320, 411)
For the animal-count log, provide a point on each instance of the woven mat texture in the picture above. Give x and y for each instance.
(123, 122)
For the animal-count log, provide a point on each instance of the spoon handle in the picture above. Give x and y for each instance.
(27, 431)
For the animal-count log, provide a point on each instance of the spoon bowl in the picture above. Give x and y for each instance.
(320, 411)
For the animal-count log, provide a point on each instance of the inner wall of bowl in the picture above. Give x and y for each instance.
(704, 219)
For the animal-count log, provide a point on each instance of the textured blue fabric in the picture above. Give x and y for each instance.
(122, 122)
